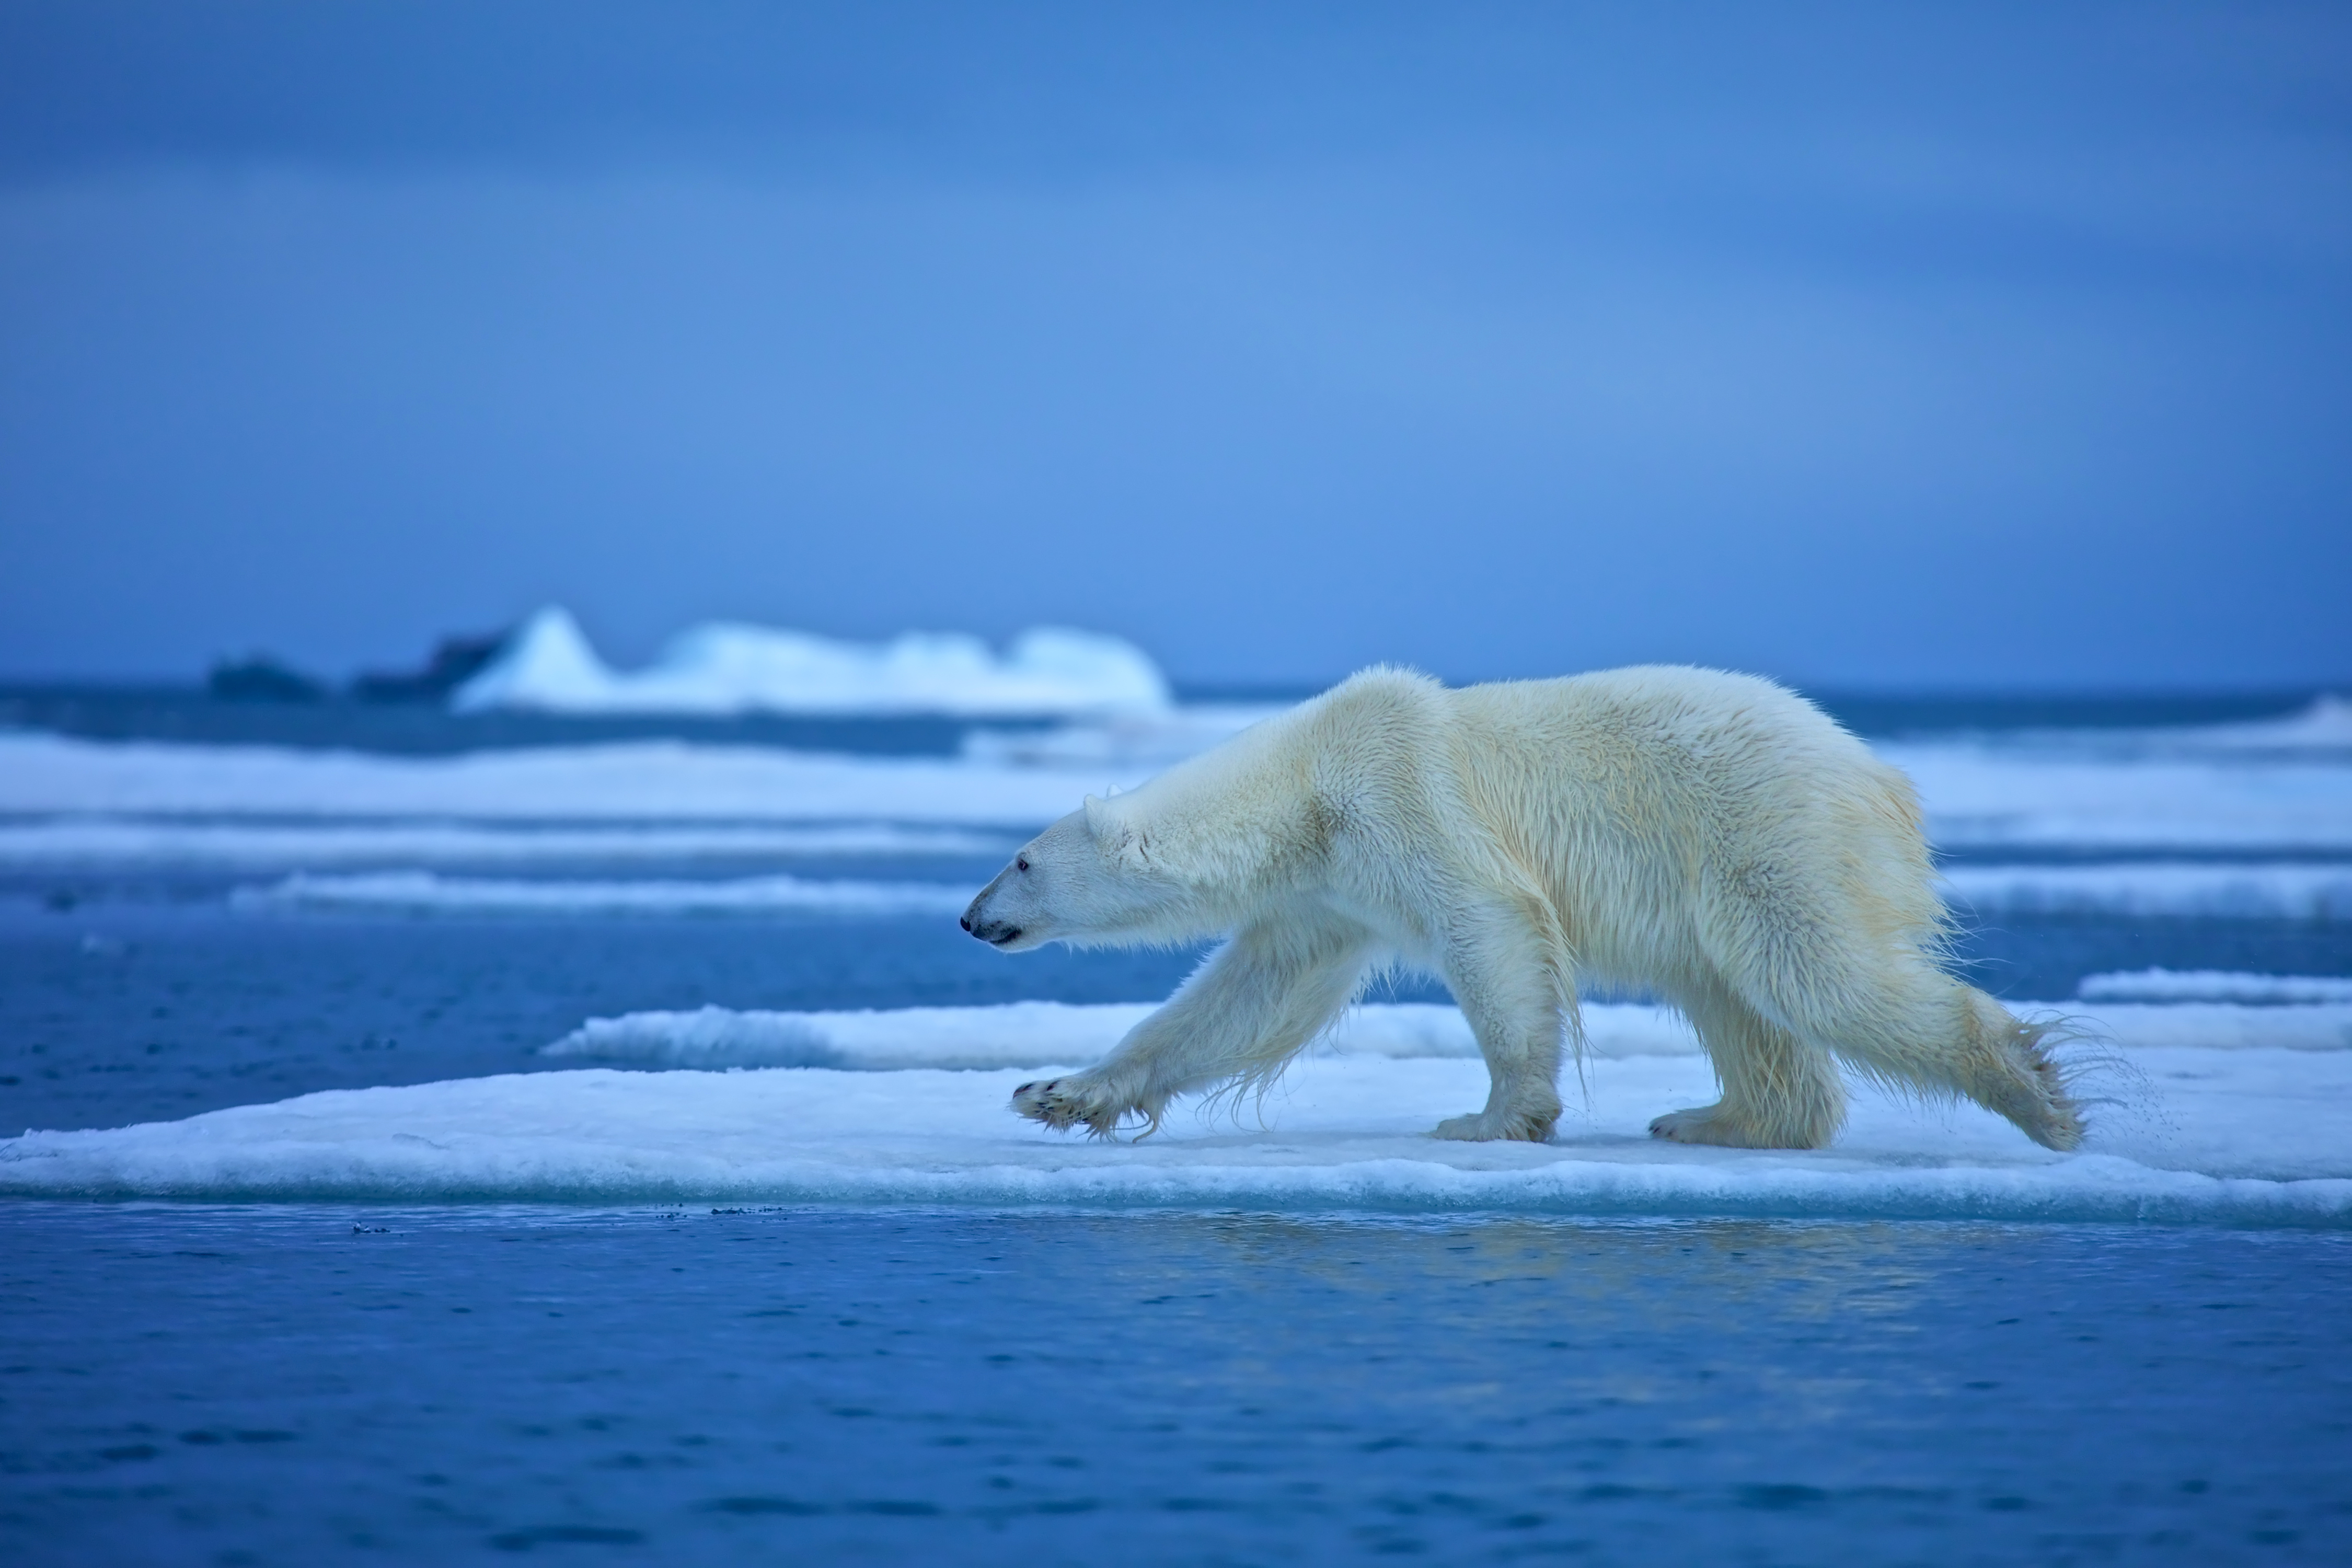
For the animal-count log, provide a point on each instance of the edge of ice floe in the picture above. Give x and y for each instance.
(212, 1159)
(2103, 1189)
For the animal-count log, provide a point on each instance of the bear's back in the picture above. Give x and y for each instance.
(1677, 713)
(1675, 752)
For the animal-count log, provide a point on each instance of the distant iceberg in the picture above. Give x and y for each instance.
(725, 667)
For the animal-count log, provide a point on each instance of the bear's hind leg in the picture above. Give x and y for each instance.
(1779, 1092)
(1932, 1033)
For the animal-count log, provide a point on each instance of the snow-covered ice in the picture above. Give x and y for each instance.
(2248, 1137)
(725, 667)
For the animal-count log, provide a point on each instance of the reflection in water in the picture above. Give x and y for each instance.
(961, 1386)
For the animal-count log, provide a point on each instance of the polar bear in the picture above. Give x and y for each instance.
(1709, 838)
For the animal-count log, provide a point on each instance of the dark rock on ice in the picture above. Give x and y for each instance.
(262, 678)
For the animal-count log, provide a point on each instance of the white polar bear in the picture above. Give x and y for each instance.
(1709, 838)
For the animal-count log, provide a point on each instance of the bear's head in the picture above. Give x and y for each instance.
(1093, 877)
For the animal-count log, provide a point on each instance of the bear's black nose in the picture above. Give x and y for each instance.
(965, 923)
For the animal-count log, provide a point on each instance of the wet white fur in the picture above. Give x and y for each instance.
(1709, 838)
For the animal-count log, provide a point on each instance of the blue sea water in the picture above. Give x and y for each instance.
(303, 1383)
(329, 1385)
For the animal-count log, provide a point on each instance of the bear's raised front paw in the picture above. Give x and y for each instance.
(1062, 1103)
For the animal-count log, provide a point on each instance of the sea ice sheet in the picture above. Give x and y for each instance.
(2246, 1136)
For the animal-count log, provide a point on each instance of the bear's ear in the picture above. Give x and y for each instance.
(1115, 836)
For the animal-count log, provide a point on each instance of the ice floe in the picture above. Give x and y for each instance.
(2211, 985)
(2261, 891)
(2248, 1137)
(430, 891)
(726, 668)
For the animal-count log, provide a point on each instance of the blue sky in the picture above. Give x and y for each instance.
(1869, 345)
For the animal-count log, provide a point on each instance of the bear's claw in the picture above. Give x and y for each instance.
(1062, 1103)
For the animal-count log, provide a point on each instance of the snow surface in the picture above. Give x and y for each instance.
(2260, 891)
(99, 841)
(1057, 1034)
(2211, 985)
(724, 667)
(2247, 1137)
(427, 891)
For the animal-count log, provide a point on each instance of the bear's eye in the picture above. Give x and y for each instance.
(1022, 863)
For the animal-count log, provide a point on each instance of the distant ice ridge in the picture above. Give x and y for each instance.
(2230, 1138)
(2211, 985)
(131, 840)
(725, 667)
(429, 890)
(1057, 1034)
(2306, 892)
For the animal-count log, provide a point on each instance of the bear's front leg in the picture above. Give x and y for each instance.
(1089, 1098)
(1506, 974)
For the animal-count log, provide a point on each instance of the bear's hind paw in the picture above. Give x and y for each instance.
(1711, 1124)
